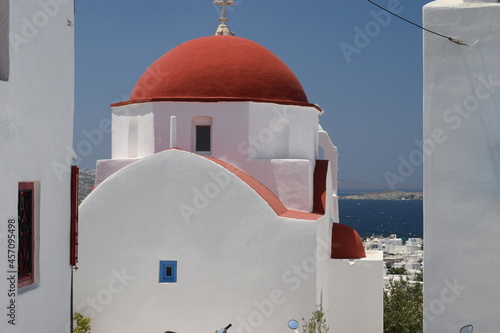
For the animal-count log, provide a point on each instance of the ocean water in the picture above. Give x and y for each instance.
(383, 217)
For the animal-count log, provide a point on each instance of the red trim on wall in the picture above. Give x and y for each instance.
(320, 173)
(265, 193)
(74, 216)
(346, 243)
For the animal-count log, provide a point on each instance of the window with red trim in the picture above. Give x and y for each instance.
(26, 234)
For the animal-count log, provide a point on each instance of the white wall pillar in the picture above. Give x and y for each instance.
(462, 166)
(173, 132)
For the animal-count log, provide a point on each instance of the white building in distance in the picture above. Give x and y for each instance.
(462, 166)
(36, 136)
(215, 207)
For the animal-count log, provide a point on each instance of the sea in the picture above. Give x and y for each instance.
(382, 217)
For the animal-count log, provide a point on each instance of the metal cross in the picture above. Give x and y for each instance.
(223, 3)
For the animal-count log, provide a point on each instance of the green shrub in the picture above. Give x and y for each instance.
(317, 322)
(397, 271)
(403, 307)
(82, 324)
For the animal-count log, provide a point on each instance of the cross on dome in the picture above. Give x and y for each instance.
(223, 29)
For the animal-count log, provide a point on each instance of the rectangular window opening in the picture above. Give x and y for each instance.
(203, 136)
(26, 235)
(168, 271)
(4, 40)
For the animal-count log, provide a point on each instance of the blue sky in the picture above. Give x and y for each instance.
(362, 68)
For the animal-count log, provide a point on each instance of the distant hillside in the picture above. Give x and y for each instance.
(349, 185)
(385, 195)
(87, 179)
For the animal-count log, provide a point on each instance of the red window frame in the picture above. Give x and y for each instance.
(73, 258)
(26, 234)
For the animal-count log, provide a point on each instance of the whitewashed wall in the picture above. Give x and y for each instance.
(331, 154)
(120, 129)
(238, 261)
(353, 293)
(240, 130)
(462, 166)
(36, 122)
(276, 144)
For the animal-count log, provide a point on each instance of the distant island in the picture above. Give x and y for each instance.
(385, 195)
(86, 183)
(87, 178)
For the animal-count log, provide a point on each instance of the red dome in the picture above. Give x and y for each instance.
(219, 68)
(346, 243)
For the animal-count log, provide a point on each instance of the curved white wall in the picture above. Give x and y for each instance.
(238, 261)
(241, 130)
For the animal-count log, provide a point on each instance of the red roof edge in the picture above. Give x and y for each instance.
(265, 193)
(346, 243)
(214, 100)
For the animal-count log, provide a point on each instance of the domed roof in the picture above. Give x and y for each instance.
(219, 68)
(346, 243)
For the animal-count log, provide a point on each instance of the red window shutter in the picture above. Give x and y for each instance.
(26, 234)
(75, 172)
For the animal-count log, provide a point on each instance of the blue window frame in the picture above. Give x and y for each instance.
(168, 271)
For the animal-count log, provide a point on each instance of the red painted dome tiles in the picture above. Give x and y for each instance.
(219, 68)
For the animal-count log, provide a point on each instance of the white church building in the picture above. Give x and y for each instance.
(216, 207)
(219, 203)
(36, 136)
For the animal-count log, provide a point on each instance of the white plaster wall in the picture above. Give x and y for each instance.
(105, 168)
(331, 209)
(353, 294)
(268, 141)
(228, 125)
(461, 170)
(290, 180)
(120, 119)
(240, 130)
(270, 125)
(225, 129)
(294, 184)
(323, 254)
(36, 124)
(235, 256)
(331, 154)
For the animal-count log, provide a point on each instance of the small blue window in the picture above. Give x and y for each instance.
(168, 271)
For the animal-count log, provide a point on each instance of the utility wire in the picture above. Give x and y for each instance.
(451, 39)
